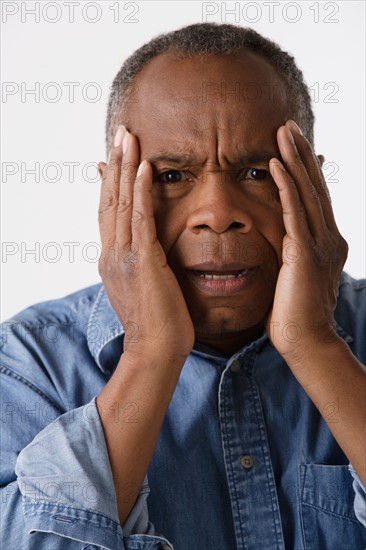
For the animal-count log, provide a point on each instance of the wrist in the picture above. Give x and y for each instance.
(153, 360)
(310, 361)
(316, 341)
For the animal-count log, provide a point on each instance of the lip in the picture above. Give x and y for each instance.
(213, 266)
(226, 287)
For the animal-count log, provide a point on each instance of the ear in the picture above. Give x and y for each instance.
(321, 159)
(101, 168)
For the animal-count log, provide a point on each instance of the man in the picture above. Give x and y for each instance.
(211, 394)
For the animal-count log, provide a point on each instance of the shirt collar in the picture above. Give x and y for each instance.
(104, 328)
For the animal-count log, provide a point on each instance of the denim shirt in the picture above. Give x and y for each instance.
(244, 458)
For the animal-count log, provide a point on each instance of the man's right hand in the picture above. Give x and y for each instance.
(148, 300)
(140, 285)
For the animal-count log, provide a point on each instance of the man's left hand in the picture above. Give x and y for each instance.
(313, 253)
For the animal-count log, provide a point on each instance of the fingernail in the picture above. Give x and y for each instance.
(140, 168)
(295, 127)
(126, 141)
(291, 137)
(276, 165)
(279, 165)
(118, 138)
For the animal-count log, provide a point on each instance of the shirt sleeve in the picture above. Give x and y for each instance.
(360, 497)
(58, 491)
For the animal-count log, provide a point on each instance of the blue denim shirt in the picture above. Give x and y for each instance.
(244, 459)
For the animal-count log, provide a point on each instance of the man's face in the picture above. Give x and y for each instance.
(210, 125)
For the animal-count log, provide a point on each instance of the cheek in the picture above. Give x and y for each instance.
(273, 231)
(264, 194)
(170, 221)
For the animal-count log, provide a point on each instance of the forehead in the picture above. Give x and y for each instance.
(238, 96)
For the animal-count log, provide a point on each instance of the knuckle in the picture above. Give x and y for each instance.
(291, 168)
(308, 149)
(322, 185)
(137, 218)
(294, 172)
(314, 173)
(313, 194)
(115, 157)
(102, 267)
(107, 261)
(333, 251)
(290, 178)
(128, 172)
(108, 202)
(130, 259)
(324, 252)
(344, 247)
(124, 202)
(113, 170)
(118, 260)
(296, 156)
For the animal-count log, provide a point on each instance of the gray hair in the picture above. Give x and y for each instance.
(211, 39)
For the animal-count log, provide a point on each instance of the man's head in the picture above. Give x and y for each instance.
(215, 202)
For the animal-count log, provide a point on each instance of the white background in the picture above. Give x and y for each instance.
(35, 129)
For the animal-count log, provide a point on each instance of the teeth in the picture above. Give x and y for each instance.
(223, 277)
(244, 272)
(217, 276)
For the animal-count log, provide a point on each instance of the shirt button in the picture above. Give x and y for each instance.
(247, 461)
(235, 367)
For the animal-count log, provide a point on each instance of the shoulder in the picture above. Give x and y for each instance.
(352, 294)
(350, 313)
(75, 305)
(350, 284)
(44, 333)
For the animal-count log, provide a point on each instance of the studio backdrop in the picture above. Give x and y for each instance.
(58, 63)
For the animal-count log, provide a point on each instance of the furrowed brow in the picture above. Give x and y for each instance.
(186, 159)
(173, 159)
(255, 157)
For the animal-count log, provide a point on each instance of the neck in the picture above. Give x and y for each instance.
(229, 343)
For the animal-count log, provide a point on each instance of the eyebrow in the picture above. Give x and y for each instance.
(187, 159)
(177, 159)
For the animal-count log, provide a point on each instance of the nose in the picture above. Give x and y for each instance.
(218, 205)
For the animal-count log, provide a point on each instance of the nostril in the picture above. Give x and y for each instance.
(232, 225)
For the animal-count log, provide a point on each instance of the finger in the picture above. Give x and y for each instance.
(314, 170)
(294, 216)
(306, 190)
(109, 192)
(143, 219)
(130, 161)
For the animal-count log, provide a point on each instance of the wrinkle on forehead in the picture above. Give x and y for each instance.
(171, 110)
(207, 78)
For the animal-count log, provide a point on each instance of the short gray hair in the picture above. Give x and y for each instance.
(202, 39)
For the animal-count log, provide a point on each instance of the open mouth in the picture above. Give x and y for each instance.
(222, 275)
(222, 283)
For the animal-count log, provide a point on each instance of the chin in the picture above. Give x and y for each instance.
(228, 319)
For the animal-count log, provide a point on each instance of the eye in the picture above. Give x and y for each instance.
(256, 174)
(172, 177)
